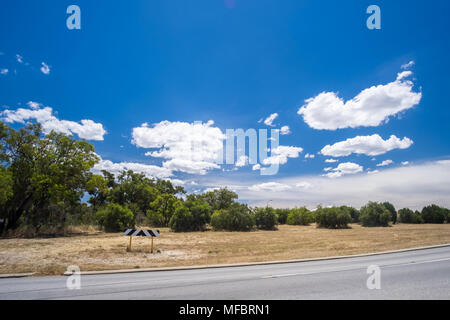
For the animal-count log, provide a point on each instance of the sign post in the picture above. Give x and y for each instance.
(141, 233)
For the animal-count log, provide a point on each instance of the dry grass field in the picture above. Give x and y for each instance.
(107, 251)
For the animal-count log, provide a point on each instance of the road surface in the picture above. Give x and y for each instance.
(421, 274)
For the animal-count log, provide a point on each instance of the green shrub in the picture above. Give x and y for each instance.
(375, 214)
(235, 218)
(282, 215)
(434, 214)
(332, 218)
(115, 217)
(182, 220)
(408, 216)
(300, 217)
(354, 213)
(265, 218)
(390, 207)
(201, 213)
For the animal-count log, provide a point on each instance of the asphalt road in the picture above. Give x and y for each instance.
(421, 274)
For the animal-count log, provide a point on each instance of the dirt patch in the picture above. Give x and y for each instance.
(107, 251)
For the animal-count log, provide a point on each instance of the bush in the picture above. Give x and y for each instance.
(300, 217)
(390, 207)
(332, 218)
(375, 214)
(408, 216)
(201, 213)
(354, 213)
(434, 214)
(182, 220)
(282, 215)
(115, 217)
(265, 218)
(235, 218)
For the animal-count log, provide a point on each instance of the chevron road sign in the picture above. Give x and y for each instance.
(140, 233)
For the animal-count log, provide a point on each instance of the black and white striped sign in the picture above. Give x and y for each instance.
(141, 233)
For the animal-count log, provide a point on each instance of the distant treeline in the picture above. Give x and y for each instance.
(43, 179)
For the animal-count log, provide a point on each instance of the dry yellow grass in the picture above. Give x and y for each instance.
(106, 251)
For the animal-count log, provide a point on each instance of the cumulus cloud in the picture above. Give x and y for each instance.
(405, 163)
(331, 160)
(408, 65)
(344, 169)
(256, 167)
(242, 161)
(304, 185)
(4, 71)
(281, 154)
(270, 186)
(45, 69)
(149, 170)
(385, 163)
(85, 129)
(369, 145)
(285, 130)
(369, 108)
(269, 120)
(187, 147)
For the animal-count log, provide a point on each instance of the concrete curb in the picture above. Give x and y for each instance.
(16, 275)
(254, 263)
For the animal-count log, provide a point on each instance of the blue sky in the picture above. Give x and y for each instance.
(237, 62)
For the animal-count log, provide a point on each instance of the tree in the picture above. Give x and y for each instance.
(97, 187)
(44, 170)
(300, 217)
(332, 218)
(236, 218)
(265, 218)
(390, 207)
(115, 217)
(354, 213)
(433, 214)
(201, 212)
(219, 199)
(162, 209)
(375, 214)
(182, 220)
(408, 216)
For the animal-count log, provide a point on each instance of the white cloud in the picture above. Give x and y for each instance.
(4, 71)
(408, 65)
(403, 74)
(269, 120)
(309, 156)
(344, 169)
(369, 108)
(304, 185)
(369, 145)
(372, 172)
(285, 130)
(327, 169)
(281, 154)
(270, 186)
(19, 58)
(405, 163)
(87, 129)
(45, 69)
(188, 147)
(149, 170)
(256, 167)
(331, 160)
(412, 186)
(385, 163)
(242, 161)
